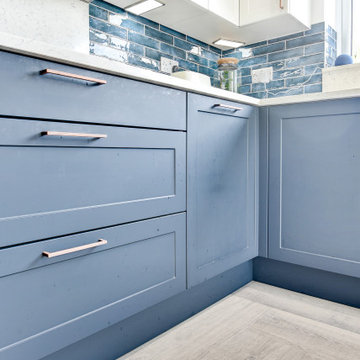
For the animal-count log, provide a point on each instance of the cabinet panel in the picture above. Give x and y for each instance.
(222, 187)
(49, 303)
(252, 11)
(228, 9)
(203, 3)
(314, 202)
(27, 93)
(57, 185)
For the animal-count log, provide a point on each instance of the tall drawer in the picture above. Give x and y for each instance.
(24, 92)
(49, 303)
(73, 180)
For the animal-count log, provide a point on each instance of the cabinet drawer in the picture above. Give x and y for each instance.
(58, 185)
(24, 92)
(48, 303)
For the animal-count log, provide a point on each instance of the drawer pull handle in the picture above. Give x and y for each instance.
(70, 134)
(229, 107)
(100, 242)
(72, 76)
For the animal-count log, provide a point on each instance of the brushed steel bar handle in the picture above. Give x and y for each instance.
(48, 254)
(281, 5)
(230, 107)
(71, 134)
(72, 76)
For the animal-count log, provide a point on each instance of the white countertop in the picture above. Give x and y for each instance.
(47, 51)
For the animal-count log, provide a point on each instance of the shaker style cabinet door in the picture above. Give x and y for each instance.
(222, 186)
(314, 185)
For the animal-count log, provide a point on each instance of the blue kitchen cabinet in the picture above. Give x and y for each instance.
(314, 184)
(93, 201)
(222, 186)
(48, 303)
(27, 91)
(55, 183)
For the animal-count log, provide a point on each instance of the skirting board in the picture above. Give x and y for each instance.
(326, 285)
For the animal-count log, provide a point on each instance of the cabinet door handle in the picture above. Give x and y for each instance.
(48, 254)
(281, 5)
(72, 76)
(71, 134)
(229, 107)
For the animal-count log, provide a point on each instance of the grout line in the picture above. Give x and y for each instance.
(206, 47)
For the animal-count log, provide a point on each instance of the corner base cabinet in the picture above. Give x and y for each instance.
(314, 185)
(222, 186)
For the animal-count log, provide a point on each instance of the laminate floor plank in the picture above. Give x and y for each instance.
(344, 317)
(261, 322)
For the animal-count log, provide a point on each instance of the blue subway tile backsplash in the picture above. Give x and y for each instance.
(251, 61)
(275, 84)
(296, 59)
(143, 40)
(98, 12)
(286, 54)
(305, 40)
(316, 28)
(305, 60)
(172, 32)
(258, 87)
(122, 36)
(159, 35)
(313, 88)
(283, 74)
(314, 48)
(107, 6)
(107, 28)
(313, 69)
(269, 48)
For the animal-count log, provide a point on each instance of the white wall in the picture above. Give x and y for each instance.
(64, 23)
(330, 13)
(317, 11)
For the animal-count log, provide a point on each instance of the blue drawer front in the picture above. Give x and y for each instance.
(47, 304)
(57, 185)
(24, 92)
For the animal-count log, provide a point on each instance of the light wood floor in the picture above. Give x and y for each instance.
(261, 322)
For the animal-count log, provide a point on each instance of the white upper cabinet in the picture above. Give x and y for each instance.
(248, 21)
(254, 11)
(301, 10)
(203, 3)
(227, 9)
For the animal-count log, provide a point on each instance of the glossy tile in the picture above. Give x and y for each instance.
(296, 59)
